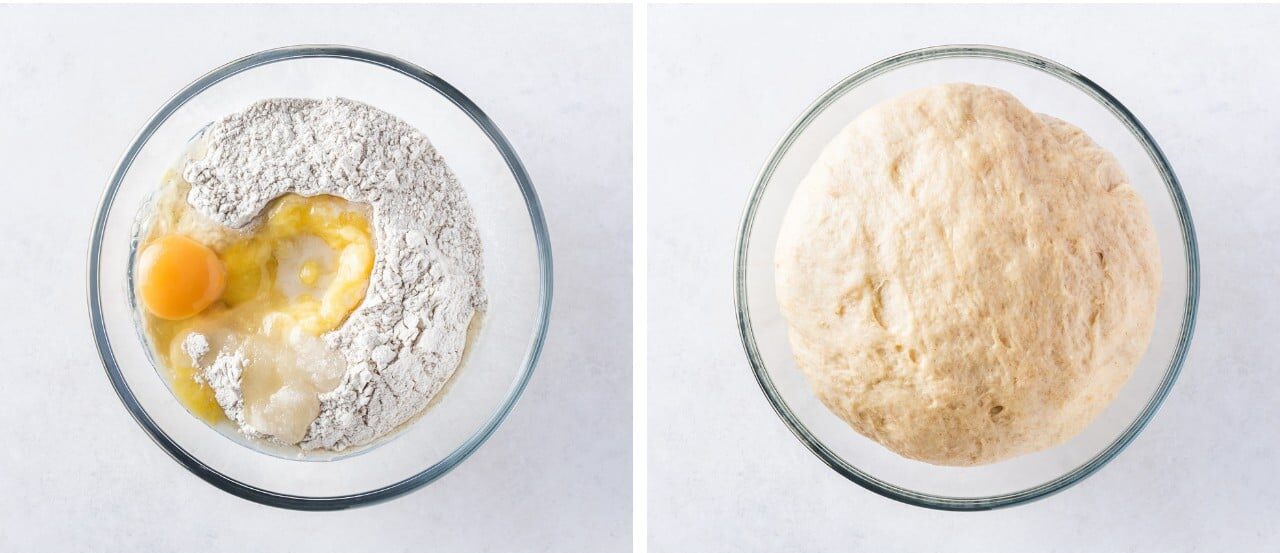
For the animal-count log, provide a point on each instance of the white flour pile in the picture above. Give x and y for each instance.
(402, 344)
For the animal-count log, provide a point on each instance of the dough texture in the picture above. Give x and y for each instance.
(964, 280)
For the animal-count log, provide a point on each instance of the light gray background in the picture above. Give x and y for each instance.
(76, 473)
(725, 474)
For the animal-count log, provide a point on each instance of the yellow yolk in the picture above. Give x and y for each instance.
(179, 277)
(293, 277)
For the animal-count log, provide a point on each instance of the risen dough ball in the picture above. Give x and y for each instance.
(965, 280)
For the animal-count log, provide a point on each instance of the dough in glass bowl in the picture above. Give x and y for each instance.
(964, 280)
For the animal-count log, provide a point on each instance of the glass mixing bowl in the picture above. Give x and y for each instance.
(1045, 87)
(502, 354)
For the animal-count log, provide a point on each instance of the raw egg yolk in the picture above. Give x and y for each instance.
(179, 277)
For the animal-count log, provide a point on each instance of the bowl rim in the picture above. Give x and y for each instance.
(390, 491)
(956, 503)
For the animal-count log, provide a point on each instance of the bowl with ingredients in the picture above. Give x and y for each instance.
(320, 277)
(966, 277)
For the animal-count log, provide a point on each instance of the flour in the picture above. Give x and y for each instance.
(224, 377)
(196, 346)
(403, 343)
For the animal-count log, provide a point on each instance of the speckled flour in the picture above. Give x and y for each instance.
(402, 344)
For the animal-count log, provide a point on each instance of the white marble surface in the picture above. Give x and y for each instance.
(726, 475)
(76, 473)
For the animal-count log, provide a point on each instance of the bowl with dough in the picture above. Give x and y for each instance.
(485, 355)
(966, 277)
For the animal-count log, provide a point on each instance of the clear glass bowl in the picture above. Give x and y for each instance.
(1045, 87)
(501, 358)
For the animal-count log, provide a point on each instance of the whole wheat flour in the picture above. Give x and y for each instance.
(403, 343)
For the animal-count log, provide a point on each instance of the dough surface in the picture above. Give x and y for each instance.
(965, 281)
